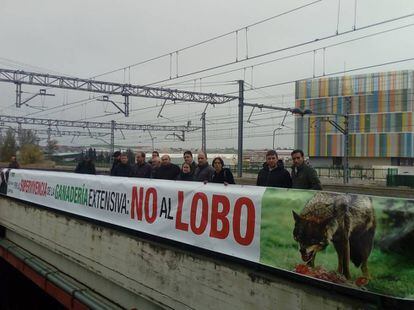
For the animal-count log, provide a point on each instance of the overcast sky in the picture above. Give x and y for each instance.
(88, 38)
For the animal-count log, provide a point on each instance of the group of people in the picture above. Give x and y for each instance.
(162, 168)
(273, 173)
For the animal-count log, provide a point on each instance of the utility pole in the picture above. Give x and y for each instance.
(18, 94)
(19, 133)
(203, 130)
(49, 139)
(203, 133)
(152, 140)
(112, 145)
(240, 131)
(274, 135)
(348, 101)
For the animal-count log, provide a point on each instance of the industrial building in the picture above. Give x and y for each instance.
(379, 108)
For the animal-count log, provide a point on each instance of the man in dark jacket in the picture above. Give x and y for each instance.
(188, 158)
(303, 176)
(123, 169)
(85, 166)
(273, 175)
(142, 169)
(155, 165)
(167, 170)
(117, 160)
(204, 172)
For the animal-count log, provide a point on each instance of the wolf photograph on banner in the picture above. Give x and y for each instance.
(353, 240)
(348, 221)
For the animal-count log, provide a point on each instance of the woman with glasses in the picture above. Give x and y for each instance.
(221, 174)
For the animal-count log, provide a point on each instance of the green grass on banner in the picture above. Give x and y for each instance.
(392, 274)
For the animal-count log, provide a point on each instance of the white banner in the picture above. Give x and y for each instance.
(220, 218)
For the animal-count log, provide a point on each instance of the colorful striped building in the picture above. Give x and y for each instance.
(380, 109)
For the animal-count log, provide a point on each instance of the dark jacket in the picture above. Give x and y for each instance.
(224, 175)
(193, 167)
(168, 172)
(85, 167)
(154, 172)
(114, 164)
(4, 177)
(122, 170)
(305, 177)
(277, 177)
(203, 173)
(185, 177)
(142, 171)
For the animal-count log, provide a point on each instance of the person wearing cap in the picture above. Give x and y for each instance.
(117, 160)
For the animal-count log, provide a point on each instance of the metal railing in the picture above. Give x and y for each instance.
(329, 172)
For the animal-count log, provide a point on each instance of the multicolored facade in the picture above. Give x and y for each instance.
(380, 109)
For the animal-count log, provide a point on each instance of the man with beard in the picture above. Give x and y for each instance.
(142, 169)
(273, 175)
(303, 176)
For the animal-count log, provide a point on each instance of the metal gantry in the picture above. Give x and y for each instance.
(93, 125)
(61, 133)
(112, 126)
(126, 90)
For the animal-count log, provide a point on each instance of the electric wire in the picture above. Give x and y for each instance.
(208, 40)
(284, 49)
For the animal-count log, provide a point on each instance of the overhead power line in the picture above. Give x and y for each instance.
(334, 73)
(208, 40)
(316, 40)
(287, 56)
